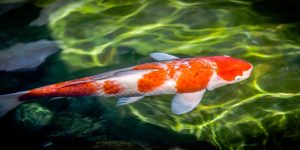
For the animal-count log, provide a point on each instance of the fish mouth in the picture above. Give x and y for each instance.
(247, 73)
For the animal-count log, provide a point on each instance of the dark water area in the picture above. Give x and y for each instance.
(90, 37)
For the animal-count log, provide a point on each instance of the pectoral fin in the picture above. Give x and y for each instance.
(162, 56)
(128, 100)
(185, 102)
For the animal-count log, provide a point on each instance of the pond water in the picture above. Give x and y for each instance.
(95, 36)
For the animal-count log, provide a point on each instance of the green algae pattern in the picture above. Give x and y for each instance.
(253, 113)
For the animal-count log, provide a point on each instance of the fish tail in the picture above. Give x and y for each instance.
(9, 102)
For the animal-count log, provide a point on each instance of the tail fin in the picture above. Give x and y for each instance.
(9, 102)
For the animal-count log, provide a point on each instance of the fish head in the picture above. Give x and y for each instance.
(228, 70)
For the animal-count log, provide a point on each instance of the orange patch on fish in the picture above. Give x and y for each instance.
(147, 66)
(78, 87)
(152, 80)
(195, 77)
(111, 87)
(225, 67)
(171, 68)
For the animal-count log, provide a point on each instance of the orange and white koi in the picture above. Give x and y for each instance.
(188, 78)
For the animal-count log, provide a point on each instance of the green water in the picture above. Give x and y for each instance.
(95, 36)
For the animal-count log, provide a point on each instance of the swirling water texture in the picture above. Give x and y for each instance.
(259, 108)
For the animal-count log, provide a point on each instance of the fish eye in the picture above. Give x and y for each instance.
(237, 78)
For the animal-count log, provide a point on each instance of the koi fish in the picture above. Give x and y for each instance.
(187, 78)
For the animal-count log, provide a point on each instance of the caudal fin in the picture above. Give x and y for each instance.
(9, 102)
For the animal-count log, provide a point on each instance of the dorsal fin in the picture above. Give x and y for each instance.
(163, 56)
